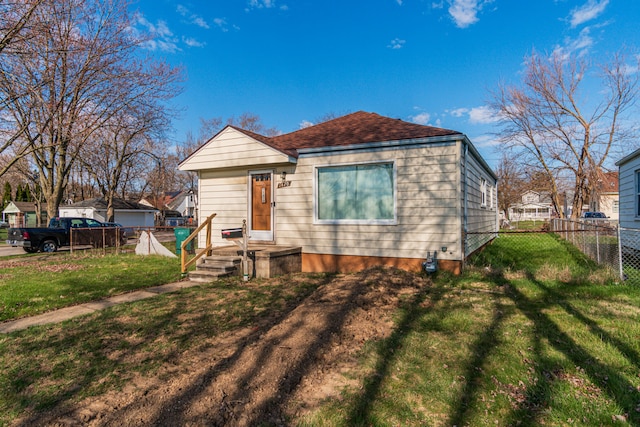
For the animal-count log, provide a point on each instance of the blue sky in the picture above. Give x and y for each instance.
(432, 62)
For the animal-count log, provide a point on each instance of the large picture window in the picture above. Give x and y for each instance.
(361, 193)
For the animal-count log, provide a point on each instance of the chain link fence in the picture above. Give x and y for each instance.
(615, 248)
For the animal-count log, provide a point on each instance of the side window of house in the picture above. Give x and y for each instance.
(360, 193)
(483, 191)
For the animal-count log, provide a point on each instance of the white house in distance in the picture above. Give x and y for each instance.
(534, 206)
(629, 190)
(357, 191)
(126, 213)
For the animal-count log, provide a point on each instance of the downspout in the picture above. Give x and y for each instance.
(465, 207)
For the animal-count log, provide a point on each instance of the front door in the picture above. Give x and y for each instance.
(261, 206)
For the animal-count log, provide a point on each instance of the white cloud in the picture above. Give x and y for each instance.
(421, 119)
(464, 12)
(191, 42)
(162, 37)
(482, 141)
(305, 124)
(399, 2)
(483, 115)
(579, 45)
(477, 115)
(396, 43)
(260, 4)
(459, 112)
(591, 10)
(192, 17)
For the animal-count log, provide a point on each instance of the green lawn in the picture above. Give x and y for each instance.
(533, 333)
(35, 284)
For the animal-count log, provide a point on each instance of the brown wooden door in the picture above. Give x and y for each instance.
(261, 202)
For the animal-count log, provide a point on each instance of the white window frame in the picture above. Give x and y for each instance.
(390, 221)
(483, 192)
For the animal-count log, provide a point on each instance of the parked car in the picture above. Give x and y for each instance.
(596, 218)
(63, 231)
(594, 215)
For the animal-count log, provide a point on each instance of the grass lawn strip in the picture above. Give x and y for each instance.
(35, 285)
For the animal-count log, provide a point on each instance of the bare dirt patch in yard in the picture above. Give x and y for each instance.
(265, 374)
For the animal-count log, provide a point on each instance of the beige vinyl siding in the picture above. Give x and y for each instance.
(426, 206)
(480, 218)
(231, 149)
(225, 194)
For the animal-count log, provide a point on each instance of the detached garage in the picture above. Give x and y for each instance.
(128, 214)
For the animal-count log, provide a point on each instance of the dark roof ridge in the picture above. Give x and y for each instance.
(360, 127)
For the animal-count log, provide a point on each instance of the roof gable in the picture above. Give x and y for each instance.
(353, 129)
(235, 147)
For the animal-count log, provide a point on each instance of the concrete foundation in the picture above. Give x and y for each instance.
(267, 261)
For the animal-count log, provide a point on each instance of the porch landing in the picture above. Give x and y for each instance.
(266, 261)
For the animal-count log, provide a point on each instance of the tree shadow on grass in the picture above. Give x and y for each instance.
(606, 377)
(107, 343)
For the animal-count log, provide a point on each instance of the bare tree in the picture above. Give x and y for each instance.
(511, 181)
(14, 17)
(557, 130)
(253, 123)
(134, 133)
(16, 27)
(83, 68)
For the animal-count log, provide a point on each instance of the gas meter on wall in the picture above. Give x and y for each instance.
(431, 264)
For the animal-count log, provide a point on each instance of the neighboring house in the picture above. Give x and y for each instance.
(607, 197)
(177, 207)
(629, 190)
(353, 192)
(183, 202)
(534, 206)
(23, 214)
(126, 213)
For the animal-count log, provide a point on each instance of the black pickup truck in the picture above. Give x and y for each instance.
(64, 231)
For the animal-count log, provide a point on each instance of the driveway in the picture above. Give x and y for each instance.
(10, 250)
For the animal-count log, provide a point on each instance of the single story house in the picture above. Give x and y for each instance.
(353, 192)
(23, 214)
(629, 190)
(126, 213)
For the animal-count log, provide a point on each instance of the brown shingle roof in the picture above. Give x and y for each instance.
(356, 128)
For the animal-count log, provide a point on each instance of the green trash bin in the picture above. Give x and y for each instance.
(181, 235)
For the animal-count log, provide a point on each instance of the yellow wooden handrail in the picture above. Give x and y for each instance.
(184, 264)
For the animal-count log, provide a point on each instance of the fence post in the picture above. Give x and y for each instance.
(597, 245)
(620, 252)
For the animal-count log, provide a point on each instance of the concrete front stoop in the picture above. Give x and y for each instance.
(213, 267)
